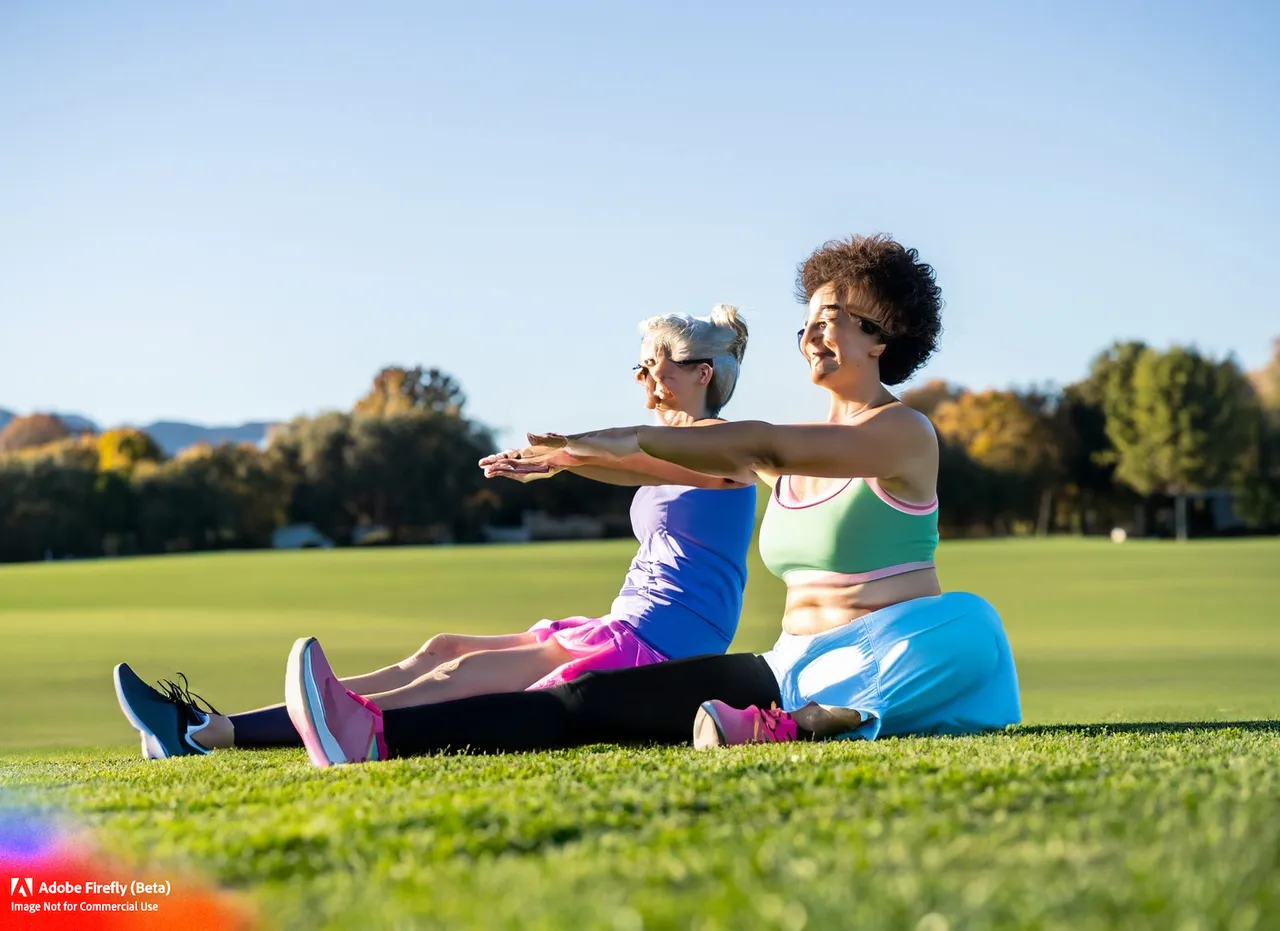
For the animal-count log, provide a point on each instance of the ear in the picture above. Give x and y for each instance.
(877, 350)
(704, 377)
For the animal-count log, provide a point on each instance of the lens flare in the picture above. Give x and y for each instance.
(54, 878)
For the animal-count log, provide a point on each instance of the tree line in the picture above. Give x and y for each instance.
(1139, 443)
(402, 460)
(1143, 436)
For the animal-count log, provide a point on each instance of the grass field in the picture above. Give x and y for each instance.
(1097, 813)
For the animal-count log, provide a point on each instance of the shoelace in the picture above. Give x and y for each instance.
(772, 717)
(182, 696)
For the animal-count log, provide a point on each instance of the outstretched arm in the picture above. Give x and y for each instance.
(617, 476)
(552, 453)
(643, 469)
(886, 444)
(639, 469)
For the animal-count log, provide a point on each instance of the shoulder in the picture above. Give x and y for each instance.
(904, 419)
(896, 423)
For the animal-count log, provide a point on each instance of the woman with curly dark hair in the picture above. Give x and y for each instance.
(870, 645)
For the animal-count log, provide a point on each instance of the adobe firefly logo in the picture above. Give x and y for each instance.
(22, 887)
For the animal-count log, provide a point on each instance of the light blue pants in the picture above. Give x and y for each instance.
(928, 666)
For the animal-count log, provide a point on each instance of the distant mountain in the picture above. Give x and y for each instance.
(75, 423)
(174, 437)
(171, 436)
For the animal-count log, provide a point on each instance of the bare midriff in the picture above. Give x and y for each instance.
(824, 601)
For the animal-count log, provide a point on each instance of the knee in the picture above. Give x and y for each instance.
(438, 648)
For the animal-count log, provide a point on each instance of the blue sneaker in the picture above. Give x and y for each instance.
(167, 720)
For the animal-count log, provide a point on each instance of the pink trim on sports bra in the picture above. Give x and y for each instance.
(899, 505)
(839, 579)
(795, 504)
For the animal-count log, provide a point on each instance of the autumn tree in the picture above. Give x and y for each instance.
(32, 431)
(998, 429)
(122, 449)
(1008, 434)
(396, 390)
(1266, 381)
(78, 451)
(928, 397)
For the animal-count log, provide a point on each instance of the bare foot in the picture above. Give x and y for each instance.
(218, 734)
(822, 721)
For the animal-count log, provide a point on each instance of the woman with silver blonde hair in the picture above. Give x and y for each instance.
(717, 341)
(681, 597)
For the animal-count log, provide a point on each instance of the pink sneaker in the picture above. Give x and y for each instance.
(718, 725)
(336, 725)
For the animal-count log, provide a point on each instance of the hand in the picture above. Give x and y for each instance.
(551, 452)
(554, 452)
(540, 460)
(519, 473)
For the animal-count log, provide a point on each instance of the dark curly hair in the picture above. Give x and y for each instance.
(907, 299)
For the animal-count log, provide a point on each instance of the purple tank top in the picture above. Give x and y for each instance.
(683, 592)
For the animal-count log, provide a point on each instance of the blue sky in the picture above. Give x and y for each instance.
(233, 211)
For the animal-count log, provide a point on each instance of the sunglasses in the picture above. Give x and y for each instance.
(643, 370)
(870, 327)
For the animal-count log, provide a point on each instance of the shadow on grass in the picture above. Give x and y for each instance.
(1146, 727)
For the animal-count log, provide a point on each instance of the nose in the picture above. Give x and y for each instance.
(662, 369)
(809, 334)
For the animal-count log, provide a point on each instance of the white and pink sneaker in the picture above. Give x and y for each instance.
(336, 725)
(720, 725)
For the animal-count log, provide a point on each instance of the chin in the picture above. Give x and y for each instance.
(819, 375)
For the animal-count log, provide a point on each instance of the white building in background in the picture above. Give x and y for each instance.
(537, 525)
(300, 537)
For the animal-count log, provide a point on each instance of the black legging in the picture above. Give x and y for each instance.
(647, 704)
(264, 728)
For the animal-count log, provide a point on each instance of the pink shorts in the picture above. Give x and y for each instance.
(596, 644)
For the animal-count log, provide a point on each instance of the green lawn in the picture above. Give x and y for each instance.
(1053, 825)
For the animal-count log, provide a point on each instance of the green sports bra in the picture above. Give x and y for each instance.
(859, 530)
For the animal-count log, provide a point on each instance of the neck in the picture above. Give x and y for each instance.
(848, 405)
(675, 417)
